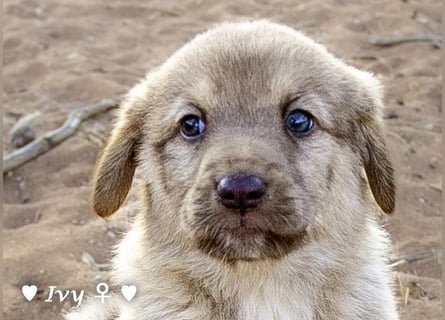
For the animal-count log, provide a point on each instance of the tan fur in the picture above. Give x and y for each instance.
(317, 251)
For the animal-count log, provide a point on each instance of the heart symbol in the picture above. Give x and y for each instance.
(29, 292)
(128, 292)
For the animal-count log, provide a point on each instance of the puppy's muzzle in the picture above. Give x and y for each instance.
(240, 191)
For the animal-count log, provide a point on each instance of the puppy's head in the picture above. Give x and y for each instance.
(253, 141)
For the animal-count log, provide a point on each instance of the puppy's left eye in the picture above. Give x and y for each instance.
(300, 122)
(192, 126)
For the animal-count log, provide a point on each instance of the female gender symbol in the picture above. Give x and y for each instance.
(102, 289)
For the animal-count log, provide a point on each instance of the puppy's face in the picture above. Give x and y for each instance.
(253, 141)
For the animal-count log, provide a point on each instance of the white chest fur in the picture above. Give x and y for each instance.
(270, 307)
(275, 296)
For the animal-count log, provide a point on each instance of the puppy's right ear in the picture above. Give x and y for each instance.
(116, 165)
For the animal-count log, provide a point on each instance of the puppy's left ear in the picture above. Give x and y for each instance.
(375, 155)
(378, 166)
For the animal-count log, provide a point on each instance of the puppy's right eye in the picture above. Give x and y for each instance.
(192, 126)
(299, 122)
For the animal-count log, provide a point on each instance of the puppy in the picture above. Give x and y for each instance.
(264, 169)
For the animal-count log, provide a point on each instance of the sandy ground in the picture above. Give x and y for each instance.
(61, 55)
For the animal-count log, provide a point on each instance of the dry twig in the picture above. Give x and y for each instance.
(89, 260)
(415, 257)
(436, 186)
(405, 295)
(398, 39)
(53, 138)
(22, 132)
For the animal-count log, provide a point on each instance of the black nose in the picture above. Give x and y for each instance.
(241, 191)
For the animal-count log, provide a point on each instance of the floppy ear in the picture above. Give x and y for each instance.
(374, 154)
(378, 166)
(116, 165)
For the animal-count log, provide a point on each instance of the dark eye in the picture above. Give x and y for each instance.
(300, 122)
(192, 126)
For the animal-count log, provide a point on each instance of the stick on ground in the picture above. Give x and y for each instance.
(89, 260)
(398, 39)
(22, 132)
(53, 138)
(415, 257)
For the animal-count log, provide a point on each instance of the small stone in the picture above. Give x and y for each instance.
(433, 163)
(22, 185)
(73, 56)
(37, 216)
(421, 18)
(111, 234)
(38, 11)
(301, 7)
(25, 199)
(390, 114)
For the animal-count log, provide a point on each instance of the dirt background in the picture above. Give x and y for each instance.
(61, 55)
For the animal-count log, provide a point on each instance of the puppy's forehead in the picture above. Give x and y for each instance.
(253, 64)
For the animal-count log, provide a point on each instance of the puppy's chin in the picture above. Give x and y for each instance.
(245, 244)
(248, 245)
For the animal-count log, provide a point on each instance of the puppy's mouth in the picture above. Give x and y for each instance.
(245, 223)
(246, 227)
(248, 237)
(248, 244)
